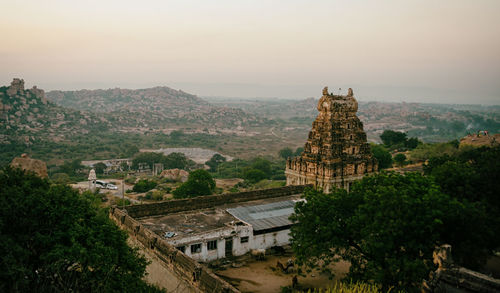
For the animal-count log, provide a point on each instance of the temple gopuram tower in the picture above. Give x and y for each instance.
(336, 152)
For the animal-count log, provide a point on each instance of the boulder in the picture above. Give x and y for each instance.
(175, 175)
(26, 163)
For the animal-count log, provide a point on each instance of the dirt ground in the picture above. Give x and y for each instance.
(226, 184)
(249, 275)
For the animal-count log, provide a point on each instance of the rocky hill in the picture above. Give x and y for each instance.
(26, 115)
(429, 122)
(158, 107)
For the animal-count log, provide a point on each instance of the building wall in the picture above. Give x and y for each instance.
(202, 202)
(268, 240)
(193, 274)
(262, 241)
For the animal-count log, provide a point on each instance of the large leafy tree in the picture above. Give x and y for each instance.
(52, 239)
(386, 227)
(382, 155)
(199, 182)
(391, 137)
(473, 177)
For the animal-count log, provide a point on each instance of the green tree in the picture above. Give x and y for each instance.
(144, 185)
(130, 150)
(254, 175)
(176, 160)
(62, 242)
(382, 155)
(199, 182)
(473, 177)
(386, 227)
(262, 165)
(393, 138)
(285, 153)
(176, 134)
(299, 151)
(71, 168)
(215, 161)
(400, 159)
(99, 168)
(411, 143)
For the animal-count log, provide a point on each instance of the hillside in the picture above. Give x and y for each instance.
(157, 107)
(26, 116)
(429, 122)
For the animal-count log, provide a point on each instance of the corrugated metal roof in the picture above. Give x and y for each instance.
(265, 216)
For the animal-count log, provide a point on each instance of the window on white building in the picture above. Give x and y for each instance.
(196, 248)
(212, 245)
(244, 239)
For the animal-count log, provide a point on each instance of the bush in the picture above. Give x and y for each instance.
(400, 159)
(144, 185)
(130, 180)
(254, 175)
(199, 182)
(154, 195)
(122, 202)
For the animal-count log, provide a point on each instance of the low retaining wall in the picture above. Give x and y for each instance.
(203, 202)
(193, 273)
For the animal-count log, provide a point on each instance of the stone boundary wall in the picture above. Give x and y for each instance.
(189, 270)
(203, 202)
(452, 278)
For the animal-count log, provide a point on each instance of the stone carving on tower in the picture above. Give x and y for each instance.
(336, 152)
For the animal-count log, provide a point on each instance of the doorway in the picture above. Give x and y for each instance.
(229, 247)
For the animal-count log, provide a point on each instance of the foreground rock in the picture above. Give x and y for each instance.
(28, 164)
(175, 175)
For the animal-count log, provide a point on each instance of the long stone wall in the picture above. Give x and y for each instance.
(203, 202)
(187, 269)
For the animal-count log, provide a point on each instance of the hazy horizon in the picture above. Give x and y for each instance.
(413, 51)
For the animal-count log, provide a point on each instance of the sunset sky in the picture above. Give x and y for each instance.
(444, 51)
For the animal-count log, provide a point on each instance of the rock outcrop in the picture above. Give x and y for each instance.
(16, 87)
(175, 175)
(26, 163)
(336, 152)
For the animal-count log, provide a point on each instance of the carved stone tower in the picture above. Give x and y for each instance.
(336, 152)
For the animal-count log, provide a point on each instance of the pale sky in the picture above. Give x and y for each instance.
(413, 50)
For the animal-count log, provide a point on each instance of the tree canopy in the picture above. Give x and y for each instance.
(199, 182)
(386, 227)
(400, 159)
(215, 161)
(397, 139)
(171, 161)
(99, 168)
(473, 177)
(53, 239)
(382, 155)
(285, 153)
(391, 137)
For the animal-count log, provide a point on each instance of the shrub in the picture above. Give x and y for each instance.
(199, 182)
(144, 185)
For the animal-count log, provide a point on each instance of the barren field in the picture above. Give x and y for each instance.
(249, 275)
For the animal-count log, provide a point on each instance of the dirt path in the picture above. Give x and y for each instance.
(263, 276)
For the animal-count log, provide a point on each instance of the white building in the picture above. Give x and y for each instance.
(206, 235)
